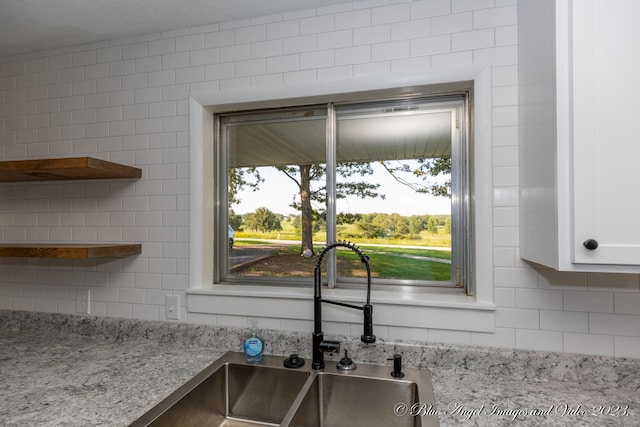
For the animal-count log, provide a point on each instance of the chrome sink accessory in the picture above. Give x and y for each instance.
(320, 346)
(346, 364)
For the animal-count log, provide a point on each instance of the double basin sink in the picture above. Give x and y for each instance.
(233, 393)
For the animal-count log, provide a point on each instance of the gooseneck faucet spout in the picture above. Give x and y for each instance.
(320, 346)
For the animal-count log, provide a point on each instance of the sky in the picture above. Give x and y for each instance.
(277, 191)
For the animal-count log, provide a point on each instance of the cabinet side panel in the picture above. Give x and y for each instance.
(536, 132)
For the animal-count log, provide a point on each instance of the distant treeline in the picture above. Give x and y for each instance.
(370, 226)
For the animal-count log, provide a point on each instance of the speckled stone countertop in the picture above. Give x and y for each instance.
(60, 370)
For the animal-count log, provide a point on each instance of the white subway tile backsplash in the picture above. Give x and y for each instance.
(299, 77)
(352, 55)
(71, 103)
(122, 68)
(83, 87)
(284, 29)
(501, 337)
(627, 303)
(119, 310)
(601, 345)
(539, 298)
(431, 45)
(613, 282)
(189, 42)
(148, 64)
(84, 58)
(553, 279)
(506, 36)
(456, 59)
(539, 340)
(109, 54)
(133, 51)
(518, 318)
(96, 100)
(319, 59)
(498, 56)
(595, 302)
(448, 24)
(467, 5)
(411, 65)
(145, 312)
(614, 324)
(316, 24)
(127, 100)
(372, 69)
(161, 46)
(429, 8)
(352, 19)
(450, 337)
(125, 97)
(148, 280)
(627, 347)
(495, 17)
(134, 81)
(391, 51)
(570, 321)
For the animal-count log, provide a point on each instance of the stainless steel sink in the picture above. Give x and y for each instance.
(234, 393)
(354, 401)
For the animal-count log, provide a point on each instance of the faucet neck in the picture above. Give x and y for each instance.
(318, 338)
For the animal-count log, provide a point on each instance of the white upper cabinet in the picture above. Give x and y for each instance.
(579, 117)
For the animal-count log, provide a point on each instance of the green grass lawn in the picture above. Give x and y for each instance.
(385, 263)
(288, 232)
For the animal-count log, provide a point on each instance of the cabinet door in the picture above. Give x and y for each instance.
(606, 131)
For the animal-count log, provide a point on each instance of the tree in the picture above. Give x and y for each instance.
(263, 220)
(447, 225)
(235, 220)
(416, 224)
(241, 178)
(439, 166)
(432, 225)
(303, 175)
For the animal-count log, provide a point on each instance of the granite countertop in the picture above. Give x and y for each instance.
(77, 371)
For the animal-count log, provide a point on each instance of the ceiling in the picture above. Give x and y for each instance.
(371, 137)
(28, 26)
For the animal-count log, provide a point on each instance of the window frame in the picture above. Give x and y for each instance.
(462, 281)
(291, 308)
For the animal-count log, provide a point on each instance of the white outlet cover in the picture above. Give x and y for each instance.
(173, 307)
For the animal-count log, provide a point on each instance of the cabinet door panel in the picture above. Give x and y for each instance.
(606, 137)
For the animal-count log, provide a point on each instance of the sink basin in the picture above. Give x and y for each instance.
(230, 393)
(336, 400)
(234, 393)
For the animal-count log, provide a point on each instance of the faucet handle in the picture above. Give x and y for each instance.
(329, 346)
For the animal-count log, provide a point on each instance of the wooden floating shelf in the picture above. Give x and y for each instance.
(79, 251)
(64, 169)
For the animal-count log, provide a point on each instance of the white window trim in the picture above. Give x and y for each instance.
(434, 309)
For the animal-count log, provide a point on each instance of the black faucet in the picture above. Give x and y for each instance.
(320, 346)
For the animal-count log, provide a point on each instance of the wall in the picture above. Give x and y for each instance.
(127, 100)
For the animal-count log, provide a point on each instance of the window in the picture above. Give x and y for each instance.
(390, 175)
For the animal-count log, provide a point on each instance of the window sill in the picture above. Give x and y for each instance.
(429, 298)
(430, 310)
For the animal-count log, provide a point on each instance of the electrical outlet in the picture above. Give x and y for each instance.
(173, 307)
(83, 300)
